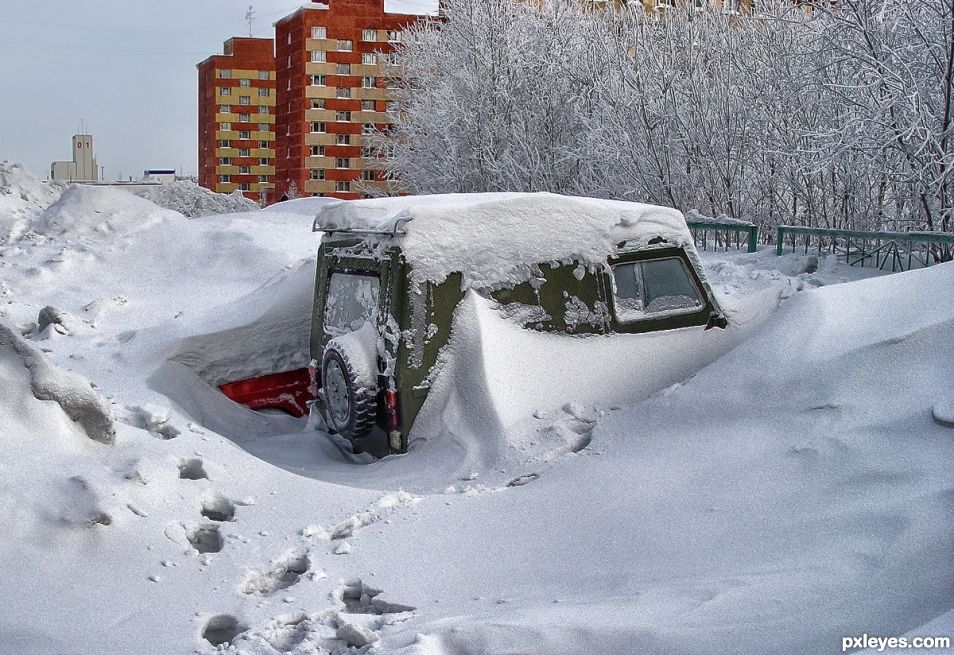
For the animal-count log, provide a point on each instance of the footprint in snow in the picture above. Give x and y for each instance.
(282, 574)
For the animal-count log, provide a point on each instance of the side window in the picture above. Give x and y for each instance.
(654, 288)
(352, 299)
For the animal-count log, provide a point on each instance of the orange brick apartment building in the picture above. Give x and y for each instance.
(328, 91)
(237, 118)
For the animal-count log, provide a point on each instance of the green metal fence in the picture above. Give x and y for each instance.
(724, 235)
(904, 250)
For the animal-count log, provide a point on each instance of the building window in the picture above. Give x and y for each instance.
(245, 152)
(263, 178)
(225, 73)
(263, 144)
(369, 58)
(367, 176)
(289, 43)
(319, 56)
(226, 127)
(369, 35)
(263, 110)
(244, 187)
(263, 75)
(344, 45)
(317, 151)
(289, 61)
(225, 143)
(226, 179)
(263, 127)
(245, 83)
(264, 93)
(225, 91)
(344, 139)
(244, 134)
(343, 69)
(342, 162)
(318, 103)
(344, 92)
(394, 105)
(318, 127)
(319, 32)
(343, 116)
(225, 109)
(317, 174)
(369, 128)
(245, 170)
(244, 100)
(243, 118)
(394, 36)
(367, 105)
(343, 186)
(263, 161)
(225, 161)
(318, 80)
(368, 82)
(730, 6)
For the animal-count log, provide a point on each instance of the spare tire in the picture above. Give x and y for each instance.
(350, 389)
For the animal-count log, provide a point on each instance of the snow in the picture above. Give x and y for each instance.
(769, 488)
(189, 199)
(22, 197)
(497, 238)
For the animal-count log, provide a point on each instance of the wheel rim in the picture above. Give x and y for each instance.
(336, 393)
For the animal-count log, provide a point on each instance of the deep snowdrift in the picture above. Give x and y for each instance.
(796, 490)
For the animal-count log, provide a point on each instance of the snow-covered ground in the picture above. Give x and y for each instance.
(794, 491)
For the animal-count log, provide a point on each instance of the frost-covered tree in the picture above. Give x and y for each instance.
(838, 118)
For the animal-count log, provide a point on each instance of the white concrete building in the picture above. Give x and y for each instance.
(83, 167)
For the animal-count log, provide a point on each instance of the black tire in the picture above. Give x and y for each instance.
(350, 407)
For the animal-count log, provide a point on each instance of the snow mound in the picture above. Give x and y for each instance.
(496, 379)
(189, 199)
(75, 396)
(85, 210)
(304, 206)
(496, 238)
(796, 486)
(23, 197)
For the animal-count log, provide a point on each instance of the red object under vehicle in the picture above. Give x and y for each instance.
(287, 391)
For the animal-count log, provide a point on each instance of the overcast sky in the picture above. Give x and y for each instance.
(125, 68)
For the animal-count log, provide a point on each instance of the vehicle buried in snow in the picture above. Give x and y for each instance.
(392, 274)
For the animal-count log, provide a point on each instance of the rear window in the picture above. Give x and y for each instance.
(352, 299)
(653, 288)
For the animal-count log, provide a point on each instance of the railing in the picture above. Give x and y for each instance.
(859, 248)
(722, 234)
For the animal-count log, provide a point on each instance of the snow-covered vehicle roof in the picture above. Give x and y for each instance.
(494, 237)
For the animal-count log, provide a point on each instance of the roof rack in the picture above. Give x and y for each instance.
(395, 231)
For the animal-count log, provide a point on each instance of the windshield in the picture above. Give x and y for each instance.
(653, 288)
(352, 300)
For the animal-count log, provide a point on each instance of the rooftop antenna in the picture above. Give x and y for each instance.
(250, 17)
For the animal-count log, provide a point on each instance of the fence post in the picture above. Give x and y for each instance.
(753, 238)
(779, 241)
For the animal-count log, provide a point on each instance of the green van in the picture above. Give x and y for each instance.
(392, 271)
